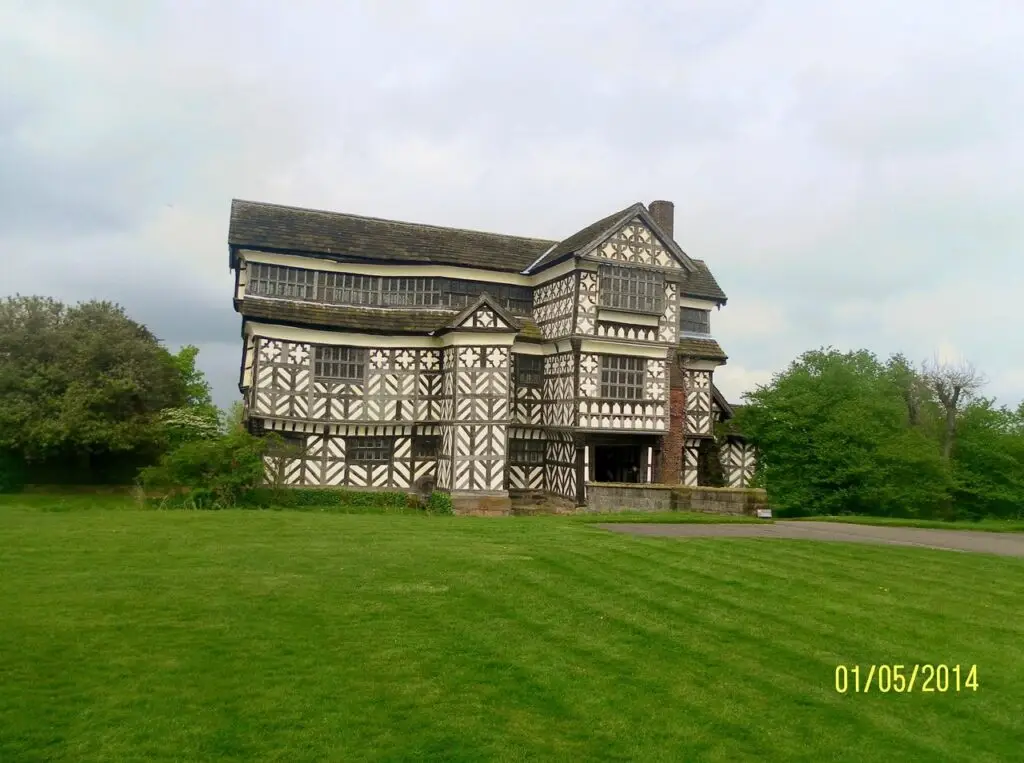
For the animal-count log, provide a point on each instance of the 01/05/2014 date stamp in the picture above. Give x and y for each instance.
(924, 678)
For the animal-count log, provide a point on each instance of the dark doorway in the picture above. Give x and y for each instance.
(617, 463)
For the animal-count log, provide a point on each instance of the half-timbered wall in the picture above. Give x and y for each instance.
(691, 460)
(586, 308)
(526, 476)
(480, 422)
(636, 244)
(560, 465)
(649, 414)
(398, 385)
(553, 307)
(559, 375)
(738, 462)
(698, 419)
(447, 413)
(527, 399)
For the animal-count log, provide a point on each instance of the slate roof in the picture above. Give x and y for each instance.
(692, 347)
(701, 284)
(583, 237)
(337, 236)
(387, 320)
(354, 238)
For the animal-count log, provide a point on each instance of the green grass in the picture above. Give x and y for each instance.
(982, 525)
(302, 636)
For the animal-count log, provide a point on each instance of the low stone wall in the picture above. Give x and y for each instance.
(626, 496)
(615, 496)
(720, 500)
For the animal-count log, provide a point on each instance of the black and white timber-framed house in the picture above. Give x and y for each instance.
(403, 356)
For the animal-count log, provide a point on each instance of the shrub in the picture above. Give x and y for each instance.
(12, 472)
(440, 503)
(209, 473)
(325, 499)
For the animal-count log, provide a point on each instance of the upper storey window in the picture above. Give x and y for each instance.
(694, 321)
(356, 289)
(280, 281)
(632, 289)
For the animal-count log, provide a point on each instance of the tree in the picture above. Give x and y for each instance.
(197, 388)
(988, 462)
(833, 437)
(81, 381)
(955, 385)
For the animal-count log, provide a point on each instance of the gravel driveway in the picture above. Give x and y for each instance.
(1005, 544)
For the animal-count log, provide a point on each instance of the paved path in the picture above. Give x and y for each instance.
(1005, 544)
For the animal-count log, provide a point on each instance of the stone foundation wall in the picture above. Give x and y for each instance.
(528, 502)
(613, 497)
(481, 504)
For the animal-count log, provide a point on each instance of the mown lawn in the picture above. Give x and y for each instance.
(300, 636)
(982, 525)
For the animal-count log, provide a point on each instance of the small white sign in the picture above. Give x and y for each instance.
(764, 513)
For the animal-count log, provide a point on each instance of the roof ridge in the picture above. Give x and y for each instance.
(392, 221)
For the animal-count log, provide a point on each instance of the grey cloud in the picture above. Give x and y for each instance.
(821, 158)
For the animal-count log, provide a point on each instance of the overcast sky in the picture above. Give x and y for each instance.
(852, 171)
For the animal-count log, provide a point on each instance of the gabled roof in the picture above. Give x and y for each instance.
(720, 401)
(583, 241)
(701, 284)
(355, 238)
(337, 236)
(582, 238)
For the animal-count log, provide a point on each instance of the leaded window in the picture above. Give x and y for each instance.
(339, 363)
(529, 370)
(368, 450)
(694, 321)
(633, 289)
(380, 291)
(425, 446)
(280, 281)
(411, 292)
(622, 377)
(522, 452)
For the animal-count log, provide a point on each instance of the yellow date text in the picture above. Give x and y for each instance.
(924, 678)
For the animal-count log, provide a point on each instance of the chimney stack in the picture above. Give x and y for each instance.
(663, 213)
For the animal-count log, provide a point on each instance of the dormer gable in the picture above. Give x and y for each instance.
(483, 314)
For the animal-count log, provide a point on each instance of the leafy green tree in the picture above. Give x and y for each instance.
(833, 436)
(81, 381)
(988, 461)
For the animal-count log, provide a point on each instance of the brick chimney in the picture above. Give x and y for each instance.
(663, 213)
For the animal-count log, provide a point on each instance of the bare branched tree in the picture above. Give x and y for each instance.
(955, 385)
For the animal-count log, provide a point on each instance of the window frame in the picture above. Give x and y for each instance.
(339, 357)
(357, 447)
(631, 289)
(529, 378)
(524, 451)
(622, 377)
(280, 281)
(331, 287)
(420, 453)
(703, 325)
